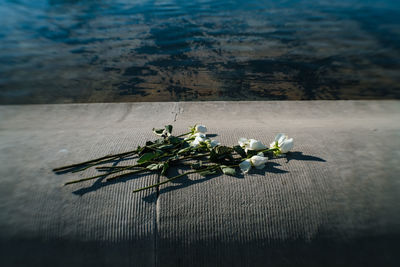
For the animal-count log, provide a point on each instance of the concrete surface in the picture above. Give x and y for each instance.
(334, 202)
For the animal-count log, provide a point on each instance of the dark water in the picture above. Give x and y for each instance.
(58, 51)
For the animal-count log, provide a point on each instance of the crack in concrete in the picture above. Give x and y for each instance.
(176, 109)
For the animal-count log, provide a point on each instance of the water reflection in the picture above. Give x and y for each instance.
(103, 51)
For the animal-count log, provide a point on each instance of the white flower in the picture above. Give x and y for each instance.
(199, 138)
(243, 142)
(283, 143)
(245, 166)
(195, 143)
(200, 135)
(201, 129)
(212, 143)
(257, 161)
(256, 145)
(251, 144)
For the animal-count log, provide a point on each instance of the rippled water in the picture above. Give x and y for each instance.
(104, 51)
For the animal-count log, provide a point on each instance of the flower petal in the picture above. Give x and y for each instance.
(195, 143)
(278, 136)
(258, 161)
(287, 145)
(256, 145)
(201, 129)
(200, 139)
(282, 139)
(245, 166)
(202, 135)
(243, 142)
(214, 143)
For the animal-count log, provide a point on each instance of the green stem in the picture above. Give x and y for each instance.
(107, 168)
(96, 161)
(266, 150)
(183, 134)
(93, 177)
(106, 174)
(194, 156)
(174, 178)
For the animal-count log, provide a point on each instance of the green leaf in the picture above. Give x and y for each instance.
(168, 129)
(174, 140)
(221, 154)
(147, 157)
(197, 165)
(165, 168)
(240, 151)
(166, 146)
(228, 171)
(159, 141)
(158, 132)
(155, 166)
(207, 172)
(184, 150)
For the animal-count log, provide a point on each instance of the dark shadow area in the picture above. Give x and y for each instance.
(100, 182)
(327, 249)
(299, 156)
(185, 181)
(270, 167)
(182, 183)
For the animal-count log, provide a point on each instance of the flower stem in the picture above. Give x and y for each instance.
(106, 174)
(94, 161)
(183, 134)
(107, 168)
(265, 150)
(94, 177)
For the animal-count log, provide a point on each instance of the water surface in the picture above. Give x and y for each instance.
(63, 51)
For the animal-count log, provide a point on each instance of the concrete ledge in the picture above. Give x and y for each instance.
(334, 202)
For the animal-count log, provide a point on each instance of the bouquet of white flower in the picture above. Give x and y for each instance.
(176, 151)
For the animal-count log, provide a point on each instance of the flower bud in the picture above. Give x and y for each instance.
(201, 129)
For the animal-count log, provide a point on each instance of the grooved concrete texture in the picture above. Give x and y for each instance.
(335, 200)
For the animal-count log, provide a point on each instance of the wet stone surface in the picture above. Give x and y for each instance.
(118, 51)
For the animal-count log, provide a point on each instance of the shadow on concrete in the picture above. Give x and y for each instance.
(299, 156)
(270, 167)
(99, 183)
(183, 182)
